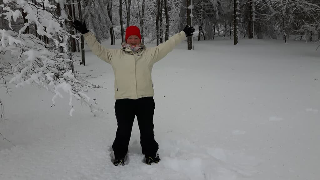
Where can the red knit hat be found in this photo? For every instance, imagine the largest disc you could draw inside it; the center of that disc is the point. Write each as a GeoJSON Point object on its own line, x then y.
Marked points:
{"type": "Point", "coordinates": [132, 30]}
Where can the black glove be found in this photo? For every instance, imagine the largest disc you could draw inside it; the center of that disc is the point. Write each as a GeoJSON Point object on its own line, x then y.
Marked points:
{"type": "Point", "coordinates": [188, 30]}
{"type": "Point", "coordinates": [81, 27]}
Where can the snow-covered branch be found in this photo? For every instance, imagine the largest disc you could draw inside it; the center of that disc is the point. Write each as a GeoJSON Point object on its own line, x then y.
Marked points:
{"type": "Point", "coordinates": [36, 62]}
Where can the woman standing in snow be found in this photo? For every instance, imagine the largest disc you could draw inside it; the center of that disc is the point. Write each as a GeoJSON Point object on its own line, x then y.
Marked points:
{"type": "Point", "coordinates": [132, 66]}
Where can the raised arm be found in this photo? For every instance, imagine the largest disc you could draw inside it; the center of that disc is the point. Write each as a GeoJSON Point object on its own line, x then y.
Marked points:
{"type": "Point", "coordinates": [102, 52]}
{"type": "Point", "coordinates": [163, 49]}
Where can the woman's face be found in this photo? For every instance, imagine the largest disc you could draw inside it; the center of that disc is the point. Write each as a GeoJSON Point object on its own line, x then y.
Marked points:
{"type": "Point", "coordinates": [133, 40]}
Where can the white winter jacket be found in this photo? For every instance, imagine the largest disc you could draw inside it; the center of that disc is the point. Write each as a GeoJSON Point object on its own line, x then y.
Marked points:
{"type": "Point", "coordinates": [132, 71]}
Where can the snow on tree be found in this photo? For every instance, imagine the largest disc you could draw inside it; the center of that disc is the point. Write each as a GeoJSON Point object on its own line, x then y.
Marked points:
{"type": "Point", "coordinates": [32, 61]}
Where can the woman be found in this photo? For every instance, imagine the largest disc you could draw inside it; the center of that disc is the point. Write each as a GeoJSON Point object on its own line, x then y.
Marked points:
{"type": "Point", "coordinates": [132, 66]}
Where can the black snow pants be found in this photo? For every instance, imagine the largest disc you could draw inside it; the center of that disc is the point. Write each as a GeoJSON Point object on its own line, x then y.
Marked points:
{"type": "Point", "coordinates": [126, 110]}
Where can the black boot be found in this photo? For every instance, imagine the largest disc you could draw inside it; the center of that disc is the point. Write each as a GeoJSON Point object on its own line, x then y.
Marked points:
{"type": "Point", "coordinates": [151, 159]}
{"type": "Point", "coordinates": [118, 161]}
{"type": "Point", "coordinates": [121, 161]}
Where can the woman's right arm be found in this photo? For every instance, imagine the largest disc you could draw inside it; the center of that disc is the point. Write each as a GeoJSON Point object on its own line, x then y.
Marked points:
{"type": "Point", "coordinates": [102, 52]}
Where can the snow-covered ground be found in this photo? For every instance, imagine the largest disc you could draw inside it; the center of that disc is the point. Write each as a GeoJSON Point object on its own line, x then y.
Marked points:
{"type": "Point", "coordinates": [223, 112]}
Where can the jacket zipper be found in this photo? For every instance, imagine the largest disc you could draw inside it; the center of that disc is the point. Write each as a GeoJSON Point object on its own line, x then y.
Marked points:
{"type": "Point", "coordinates": [135, 73]}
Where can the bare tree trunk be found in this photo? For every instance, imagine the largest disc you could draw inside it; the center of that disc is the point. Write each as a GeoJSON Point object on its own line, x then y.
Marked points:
{"type": "Point", "coordinates": [128, 6]}
{"type": "Point", "coordinates": [73, 19]}
{"type": "Point", "coordinates": [182, 14]}
{"type": "Point", "coordinates": [72, 41]}
{"type": "Point", "coordinates": [142, 20]}
{"type": "Point", "coordinates": [83, 57]}
{"type": "Point", "coordinates": [225, 28]}
{"type": "Point", "coordinates": [200, 27]}
{"type": "Point", "coordinates": [161, 22]}
{"type": "Point", "coordinates": [1, 106]}
{"type": "Point", "coordinates": [235, 22]}
{"type": "Point", "coordinates": [157, 21]}
{"type": "Point", "coordinates": [230, 30]}
{"type": "Point", "coordinates": [310, 38]}
{"type": "Point", "coordinates": [202, 12]}
{"type": "Point", "coordinates": [2, 17]}
{"type": "Point", "coordinates": [283, 30]}
{"type": "Point", "coordinates": [24, 15]}
{"type": "Point", "coordinates": [318, 30]}
{"type": "Point", "coordinates": [112, 36]}
{"type": "Point", "coordinates": [167, 20]}
{"type": "Point", "coordinates": [189, 23]}
{"type": "Point", "coordinates": [250, 24]}
{"type": "Point", "coordinates": [218, 30]}
{"type": "Point", "coordinates": [35, 26]}
{"type": "Point", "coordinates": [214, 32]}
{"type": "Point", "coordinates": [45, 38]}
{"type": "Point", "coordinates": [121, 20]}
{"type": "Point", "coordinates": [258, 31]}
{"type": "Point", "coordinates": [58, 12]}
{"type": "Point", "coordinates": [201, 32]}
{"type": "Point", "coordinates": [73, 9]}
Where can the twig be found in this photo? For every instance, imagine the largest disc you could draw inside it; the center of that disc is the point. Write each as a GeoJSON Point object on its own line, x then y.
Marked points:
{"type": "Point", "coordinates": [2, 117]}
{"type": "Point", "coordinates": [4, 138]}
{"type": "Point", "coordinates": [1, 110]}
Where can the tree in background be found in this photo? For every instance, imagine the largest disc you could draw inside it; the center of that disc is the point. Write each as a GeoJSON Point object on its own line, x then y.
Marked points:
{"type": "Point", "coordinates": [121, 21]}
{"type": "Point", "coordinates": [142, 19]}
{"type": "Point", "coordinates": [112, 35]}
{"type": "Point", "coordinates": [158, 21]}
{"type": "Point", "coordinates": [166, 11]}
{"type": "Point", "coordinates": [236, 21]}
{"type": "Point", "coordinates": [96, 17]}
{"type": "Point", "coordinates": [189, 22]}
{"type": "Point", "coordinates": [128, 8]}
{"type": "Point", "coordinates": [248, 18]}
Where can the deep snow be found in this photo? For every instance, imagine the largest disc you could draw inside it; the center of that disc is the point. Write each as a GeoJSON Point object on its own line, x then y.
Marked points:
{"type": "Point", "coordinates": [223, 112]}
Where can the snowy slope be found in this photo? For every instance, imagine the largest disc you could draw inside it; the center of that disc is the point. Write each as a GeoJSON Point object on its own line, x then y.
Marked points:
{"type": "Point", "coordinates": [223, 112]}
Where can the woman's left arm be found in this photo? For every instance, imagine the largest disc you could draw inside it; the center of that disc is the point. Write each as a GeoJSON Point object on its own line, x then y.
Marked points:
{"type": "Point", "coordinates": [163, 49]}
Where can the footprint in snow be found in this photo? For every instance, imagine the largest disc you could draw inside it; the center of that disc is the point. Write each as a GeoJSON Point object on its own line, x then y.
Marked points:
{"type": "Point", "coordinates": [312, 110]}
{"type": "Point", "coordinates": [274, 118]}
{"type": "Point", "coordinates": [202, 163]}
{"type": "Point", "coordinates": [238, 132]}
